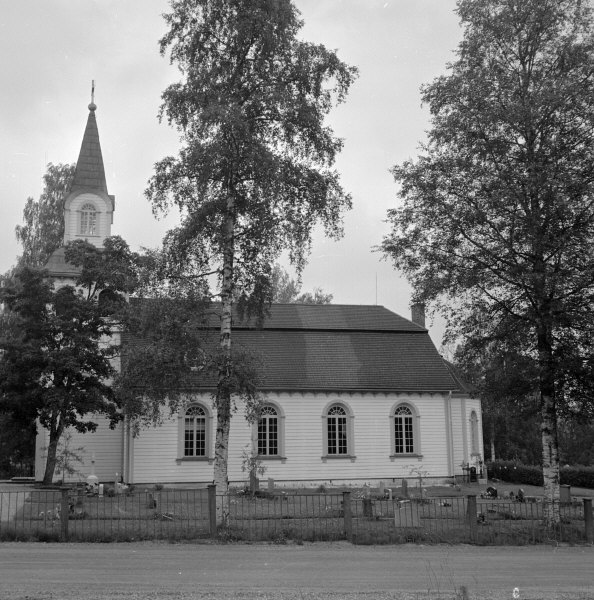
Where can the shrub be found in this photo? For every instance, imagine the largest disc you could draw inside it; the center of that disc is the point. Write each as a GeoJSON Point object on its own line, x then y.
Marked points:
{"type": "Point", "coordinates": [578, 476]}
{"type": "Point", "coordinates": [513, 472]}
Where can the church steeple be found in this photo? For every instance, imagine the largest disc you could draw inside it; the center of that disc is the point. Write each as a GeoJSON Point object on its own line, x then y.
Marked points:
{"type": "Point", "coordinates": [90, 172]}
{"type": "Point", "coordinates": [88, 209]}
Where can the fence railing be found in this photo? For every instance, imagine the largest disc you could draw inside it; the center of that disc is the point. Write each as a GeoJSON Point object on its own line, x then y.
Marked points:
{"type": "Point", "coordinates": [70, 514]}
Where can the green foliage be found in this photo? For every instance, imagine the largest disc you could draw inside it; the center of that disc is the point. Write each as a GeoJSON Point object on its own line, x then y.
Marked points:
{"type": "Point", "coordinates": [255, 172]}
{"type": "Point", "coordinates": [506, 382]}
{"type": "Point", "coordinates": [17, 447]}
{"type": "Point", "coordinates": [55, 363]}
{"type": "Point", "coordinates": [578, 476]}
{"type": "Point", "coordinates": [286, 290]}
{"type": "Point", "coordinates": [576, 443]}
{"type": "Point", "coordinates": [496, 224]}
{"type": "Point", "coordinates": [68, 457]}
{"type": "Point", "coordinates": [251, 110]}
{"type": "Point", "coordinates": [172, 347]}
{"type": "Point", "coordinates": [43, 230]}
{"type": "Point", "coordinates": [513, 472]}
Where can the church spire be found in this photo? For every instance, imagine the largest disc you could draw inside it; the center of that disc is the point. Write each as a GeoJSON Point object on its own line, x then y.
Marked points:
{"type": "Point", "coordinates": [90, 172]}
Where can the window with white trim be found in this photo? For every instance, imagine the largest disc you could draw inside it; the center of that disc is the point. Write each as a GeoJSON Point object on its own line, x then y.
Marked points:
{"type": "Point", "coordinates": [268, 432]}
{"type": "Point", "coordinates": [88, 220]}
{"type": "Point", "coordinates": [404, 441]}
{"type": "Point", "coordinates": [337, 430]}
{"type": "Point", "coordinates": [195, 431]}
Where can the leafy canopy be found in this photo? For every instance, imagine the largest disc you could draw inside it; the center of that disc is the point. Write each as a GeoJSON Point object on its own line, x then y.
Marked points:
{"type": "Point", "coordinates": [55, 364]}
{"type": "Point", "coordinates": [43, 230]}
{"type": "Point", "coordinates": [496, 222]}
{"type": "Point", "coordinates": [251, 111]}
{"type": "Point", "coordinates": [497, 218]}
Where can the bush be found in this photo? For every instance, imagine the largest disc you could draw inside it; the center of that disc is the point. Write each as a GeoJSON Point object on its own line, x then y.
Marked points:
{"type": "Point", "coordinates": [578, 476]}
{"type": "Point", "coordinates": [513, 472]}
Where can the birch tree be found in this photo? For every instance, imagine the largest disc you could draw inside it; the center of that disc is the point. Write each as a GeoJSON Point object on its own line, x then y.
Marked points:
{"type": "Point", "coordinates": [255, 172]}
{"type": "Point", "coordinates": [497, 219]}
{"type": "Point", "coordinates": [43, 228]}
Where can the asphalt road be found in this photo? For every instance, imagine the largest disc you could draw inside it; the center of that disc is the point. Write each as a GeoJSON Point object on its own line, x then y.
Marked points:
{"type": "Point", "coordinates": [160, 570]}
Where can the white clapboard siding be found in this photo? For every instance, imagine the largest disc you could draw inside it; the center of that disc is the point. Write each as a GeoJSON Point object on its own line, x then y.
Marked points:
{"type": "Point", "coordinates": [105, 444]}
{"type": "Point", "coordinates": [72, 218]}
{"type": "Point", "coordinates": [156, 449]}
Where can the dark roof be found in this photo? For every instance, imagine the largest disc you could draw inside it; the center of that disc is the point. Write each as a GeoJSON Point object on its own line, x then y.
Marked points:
{"type": "Point", "coordinates": [57, 265]}
{"type": "Point", "coordinates": [90, 172]}
{"type": "Point", "coordinates": [338, 348]}
{"type": "Point", "coordinates": [328, 317]}
{"type": "Point", "coordinates": [463, 386]}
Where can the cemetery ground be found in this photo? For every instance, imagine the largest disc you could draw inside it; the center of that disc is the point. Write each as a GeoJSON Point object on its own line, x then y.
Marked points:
{"type": "Point", "coordinates": [311, 571]}
{"type": "Point", "coordinates": [443, 514]}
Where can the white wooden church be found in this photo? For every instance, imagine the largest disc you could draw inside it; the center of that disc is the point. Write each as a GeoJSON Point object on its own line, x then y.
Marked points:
{"type": "Point", "coordinates": [354, 394]}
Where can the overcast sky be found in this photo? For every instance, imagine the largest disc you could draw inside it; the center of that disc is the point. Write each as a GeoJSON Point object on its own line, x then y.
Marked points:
{"type": "Point", "coordinates": [51, 50]}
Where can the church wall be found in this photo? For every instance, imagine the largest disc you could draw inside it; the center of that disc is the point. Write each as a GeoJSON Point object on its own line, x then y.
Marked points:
{"type": "Point", "coordinates": [156, 450]}
{"type": "Point", "coordinates": [461, 422]}
{"type": "Point", "coordinates": [105, 444]}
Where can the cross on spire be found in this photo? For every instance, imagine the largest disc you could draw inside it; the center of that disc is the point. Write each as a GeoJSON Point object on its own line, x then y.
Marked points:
{"type": "Point", "coordinates": [92, 106]}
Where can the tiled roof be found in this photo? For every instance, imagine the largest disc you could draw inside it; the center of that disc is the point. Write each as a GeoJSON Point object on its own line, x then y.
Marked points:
{"type": "Point", "coordinates": [332, 317]}
{"type": "Point", "coordinates": [338, 348]}
{"type": "Point", "coordinates": [57, 265]}
{"type": "Point", "coordinates": [463, 386]}
{"type": "Point", "coordinates": [90, 172]}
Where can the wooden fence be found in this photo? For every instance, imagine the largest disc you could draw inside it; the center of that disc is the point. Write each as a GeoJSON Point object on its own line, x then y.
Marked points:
{"type": "Point", "coordinates": [71, 514]}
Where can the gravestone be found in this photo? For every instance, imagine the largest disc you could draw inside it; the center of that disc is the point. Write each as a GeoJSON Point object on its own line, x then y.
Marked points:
{"type": "Point", "coordinates": [404, 488]}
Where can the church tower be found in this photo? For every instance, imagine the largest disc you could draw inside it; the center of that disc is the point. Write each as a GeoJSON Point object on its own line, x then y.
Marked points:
{"type": "Point", "coordinates": [88, 208]}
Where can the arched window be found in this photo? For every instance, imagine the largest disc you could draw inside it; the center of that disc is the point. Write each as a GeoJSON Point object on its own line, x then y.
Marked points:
{"type": "Point", "coordinates": [337, 431]}
{"type": "Point", "coordinates": [403, 431]}
{"type": "Point", "coordinates": [88, 220]}
{"type": "Point", "coordinates": [338, 423]}
{"type": "Point", "coordinates": [268, 432]}
{"type": "Point", "coordinates": [474, 433]}
{"type": "Point", "coordinates": [195, 431]}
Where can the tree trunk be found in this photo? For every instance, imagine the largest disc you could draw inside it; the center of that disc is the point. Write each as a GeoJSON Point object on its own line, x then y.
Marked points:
{"type": "Point", "coordinates": [550, 441]}
{"type": "Point", "coordinates": [223, 398]}
{"type": "Point", "coordinates": [550, 460]}
{"type": "Point", "coordinates": [50, 463]}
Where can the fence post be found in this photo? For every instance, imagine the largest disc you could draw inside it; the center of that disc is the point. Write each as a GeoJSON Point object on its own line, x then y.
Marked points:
{"type": "Point", "coordinates": [588, 520]}
{"type": "Point", "coordinates": [64, 514]}
{"type": "Point", "coordinates": [212, 510]}
{"type": "Point", "coordinates": [471, 515]}
{"type": "Point", "coordinates": [348, 515]}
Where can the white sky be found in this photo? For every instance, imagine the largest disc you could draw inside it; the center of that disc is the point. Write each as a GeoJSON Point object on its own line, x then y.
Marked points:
{"type": "Point", "coordinates": [51, 50]}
